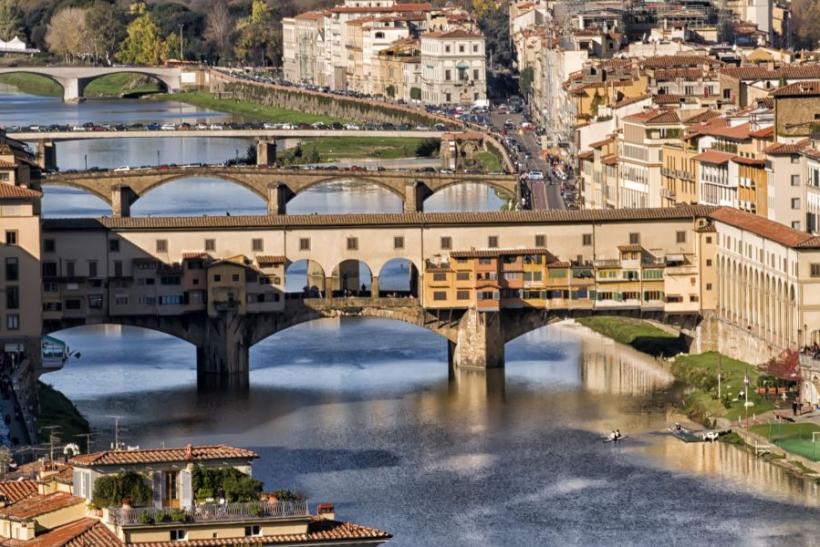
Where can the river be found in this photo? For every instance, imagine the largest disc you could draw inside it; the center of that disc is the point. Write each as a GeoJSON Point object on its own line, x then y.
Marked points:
{"type": "Point", "coordinates": [364, 413]}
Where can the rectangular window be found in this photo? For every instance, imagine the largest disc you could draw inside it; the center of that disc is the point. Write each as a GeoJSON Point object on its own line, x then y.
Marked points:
{"type": "Point", "coordinates": [446, 243]}
{"type": "Point", "coordinates": [634, 238]}
{"type": "Point", "coordinates": [119, 300]}
{"type": "Point", "coordinates": [179, 535]}
{"type": "Point", "coordinates": [253, 530]}
{"type": "Point", "coordinates": [462, 295]}
{"type": "Point", "coordinates": [586, 240]}
{"type": "Point", "coordinates": [12, 269]}
{"type": "Point", "coordinates": [540, 240]}
{"type": "Point", "coordinates": [217, 278]}
{"type": "Point", "coordinates": [12, 298]}
{"type": "Point", "coordinates": [708, 261]}
{"type": "Point", "coordinates": [462, 276]}
{"type": "Point", "coordinates": [49, 246]}
{"type": "Point", "coordinates": [162, 245]}
{"type": "Point", "coordinates": [475, 74]}
{"type": "Point", "coordinates": [76, 304]}
{"type": "Point", "coordinates": [92, 268]}
{"type": "Point", "coordinates": [118, 267]}
{"type": "Point", "coordinates": [814, 270]}
{"type": "Point", "coordinates": [69, 268]}
{"type": "Point", "coordinates": [447, 75]}
{"type": "Point", "coordinates": [13, 321]}
{"type": "Point", "coordinates": [11, 237]}
{"type": "Point", "coordinates": [795, 180]}
{"type": "Point", "coordinates": [210, 244]}
{"type": "Point", "coordinates": [353, 244]}
{"type": "Point", "coordinates": [439, 276]}
{"type": "Point", "coordinates": [795, 203]}
{"type": "Point", "coordinates": [440, 295]}
{"type": "Point", "coordinates": [304, 244]}
{"type": "Point", "coordinates": [114, 245]}
{"type": "Point", "coordinates": [708, 286]}
{"type": "Point", "coordinates": [492, 242]}
{"type": "Point", "coordinates": [398, 242]}
{"type": "Point", "coordinates": [257, 245]}
{"type": "Point", "coordinates": [680, 236]}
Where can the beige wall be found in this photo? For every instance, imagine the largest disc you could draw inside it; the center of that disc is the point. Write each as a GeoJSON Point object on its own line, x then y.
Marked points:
{"type": "Point", "coordinates": [20, 218]}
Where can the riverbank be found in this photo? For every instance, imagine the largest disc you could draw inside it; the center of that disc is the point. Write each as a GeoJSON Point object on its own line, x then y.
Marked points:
{"type": "Point", "coordinates": [57, 410]}
{"type": "Point", "coordinates": [112, 86]}
{"type": "Point", "coordinates": [254, 111]}
{"type": "Point", "coordinates": [326, 150]}
{"type": "Point", "coordinates": [636, 333]}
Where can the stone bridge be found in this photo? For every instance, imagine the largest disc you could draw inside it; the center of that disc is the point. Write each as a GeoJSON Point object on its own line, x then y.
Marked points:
{"type": "Point", "coordinates": [475, 340]}
{"type": "Point", "coordinates": [74, 79]}
{"type": "Point", "coordinates": [276, 186]}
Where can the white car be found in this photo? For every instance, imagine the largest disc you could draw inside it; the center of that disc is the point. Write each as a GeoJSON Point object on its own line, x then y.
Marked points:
{"type": "Point", "coordinates": [122, 169]}
{"type": "Point", "coordinates": [352, 127]}
{"type": "Point", "coordinates": [535, 175]}
{"type": "Point", "coordinates": [168, 127]}
{"type": "Point", "coordinates": [267, 125]}
{"type": "Point", "coordinates": [216, 127]}
{"type": "Point", "coordinates": [78, 128]}
{"type": "Point", "coordinates": [201, 126]}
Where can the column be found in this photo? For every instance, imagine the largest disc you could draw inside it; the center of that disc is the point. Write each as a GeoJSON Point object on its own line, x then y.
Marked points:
{"type": "Point", "coordinates": [122, 198]}
{"type": "Point", "coordinates": [222, 357]}
{"type": "Point", "coordinates": [265, 152]}
{"type": "Point", "coordinates": [279, 195]}
{"type": "Point", "coordinates": [46, 155]}
{"type": "Point", "coordinates": [480, 341]}
{"type": "Point", "coordinates": [374, 286]}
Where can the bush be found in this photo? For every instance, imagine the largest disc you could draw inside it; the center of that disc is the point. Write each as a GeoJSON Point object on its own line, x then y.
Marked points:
{"type": "Point", "coordinates": [428, 147]}
{"type": "Point", "coordinates": [178, 515]}
{"type": "Point", "coordinates": [236, 485]}
{"type": "Point", "coordinates": [145, 518]}
{"type": "Point", "coordinates": [110, 490]}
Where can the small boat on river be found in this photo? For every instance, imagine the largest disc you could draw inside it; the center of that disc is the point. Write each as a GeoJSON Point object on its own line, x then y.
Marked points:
{"type": "Point", "coordinates": [689, 436]}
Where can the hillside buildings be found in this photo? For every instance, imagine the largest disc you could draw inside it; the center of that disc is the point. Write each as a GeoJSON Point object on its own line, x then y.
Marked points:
{"type": "Point", "coordinates": [399, 50]}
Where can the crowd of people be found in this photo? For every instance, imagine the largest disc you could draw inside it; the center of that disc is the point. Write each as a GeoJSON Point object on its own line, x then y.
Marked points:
{"type": "Point", "coordinates": [812, 351]}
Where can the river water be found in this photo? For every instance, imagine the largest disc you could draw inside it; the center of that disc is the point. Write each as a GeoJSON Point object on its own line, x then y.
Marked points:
{"type": "Point", "coordinates": [364, 413]}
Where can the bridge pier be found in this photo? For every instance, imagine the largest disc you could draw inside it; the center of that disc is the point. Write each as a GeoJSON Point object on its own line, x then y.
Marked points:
{"type": "Point", "coordinates": [222, 358]}
{"type": "Point", "coordinates": [47, 155]}
{"type": "Point", "coordinates": [265, 152]}
{"type": "Point", "coordinates": [480, 341]}
{"type": "Point", "coordinates": [122, 198]}
{"type": "Point", "coordinates": [278, 197]}
{"type": "Point", "coordinates": [72, 90]}
{"type": "Point", "coordinates": [414, 195]}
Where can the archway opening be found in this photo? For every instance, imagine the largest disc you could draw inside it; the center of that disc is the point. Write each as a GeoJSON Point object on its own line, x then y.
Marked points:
{"type": "Point", "coordinates": [124, 85]}
{"type": "Point", "coordinates": [345, 196]}
{"type": "Point", "coordinates": [466, 197]}
{"type": "Point", "coordinates": [32, 84]}
{"type": "Point", "coordinates": [199, 196]}
{"type": "Point", "coordinates": [304, 279]}
{"type": "Point", "coordinates": [67, 202]}
{"type": "Point", "coordinates": [351, 278]}
{"type": "Point", "coordinates": [398, 277]}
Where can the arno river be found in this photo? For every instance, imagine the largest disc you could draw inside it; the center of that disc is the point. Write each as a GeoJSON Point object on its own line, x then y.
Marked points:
{"type": "Point", "coordinates": [364, 414]}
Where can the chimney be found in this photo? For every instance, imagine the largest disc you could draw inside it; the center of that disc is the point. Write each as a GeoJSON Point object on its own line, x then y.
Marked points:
{"type": "Point", "coordinates": [326, 511]}
{"type": "Point", "coordinates": [189, 452]}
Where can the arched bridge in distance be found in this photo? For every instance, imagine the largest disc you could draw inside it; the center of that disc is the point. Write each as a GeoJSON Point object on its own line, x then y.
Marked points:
{"type": "Point", "coordinates": [74, 79]}
{"type": "Point", "coordinates": [274, 185]}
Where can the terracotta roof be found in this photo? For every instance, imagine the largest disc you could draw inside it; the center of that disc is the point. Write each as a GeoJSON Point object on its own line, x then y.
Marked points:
{"type": "Point", "coordinates": [163, 455]}
{"type": "Point", "coordinates": [458, 33]}
{"type": "Point", "coordinates": [85, 532]}
{"type": "Point", "coordinates": [737, 132]}
{"type": "Point", "coordinates": [630, 100]}
{"type": "Point", "coordinates": [752, 162]}
{"type": "Point", "coordinates": [310, 15]}
{"type": "Point", "coordinates": [702, 117]}
{"type": "Point", "coordinates": [799, 89]}
{"type": "Point", "coordinates": [14, 491]}
{"type": "Point", "coordinates": [270, 259]}
{"type": "Point", "coordinates": [395, 8]}
{"type": "Point", "coordinates": [610, 159]}
{"type": "Point", "coordinates": [586, 155]}
{"type": "Point", "coordinates": [764, 227]}
{"type": "Point", "coordinates": [319, 531]}
{"type": "Point", "coordinates": [7, 191]}
{"type": "Point", "coordinates": [631, 248]}
{"type": "Point", "coordinates": [655, 116]}
{"type": "Point", "coordinates": [491, 253]}
{"type": "Point", "coordinates": [195, 254]}
{"type": "Point", "coordinates": [36, 505]}
{"type": "Point", "coordinates": [667, 99]}
{"type": "Point", "coordinates": [559, 264]}
{"type": "Point", "coordinates": [807, 71]}
{"type": "Point", "coordinates": [667, 61]}
{"type": "Point", "coordinates": [787, 149]}
{"type": "Point", "coordinates": [762, 133]}
{"type": "Point", "coordinates": [713, 156]}
{"type": "Point", "coordinates": [375, 219]}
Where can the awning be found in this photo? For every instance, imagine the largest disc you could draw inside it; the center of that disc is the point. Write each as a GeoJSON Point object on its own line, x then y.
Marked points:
{"type": "Point", "coordinates": [675, 258]}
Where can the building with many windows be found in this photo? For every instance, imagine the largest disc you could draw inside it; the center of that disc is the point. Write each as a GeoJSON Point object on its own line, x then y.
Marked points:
{"type": "Point", "coordinates": [453, 68]}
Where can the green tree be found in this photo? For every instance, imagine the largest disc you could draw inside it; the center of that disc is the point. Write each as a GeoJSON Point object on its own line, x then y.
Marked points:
{"type": "Point", "coordinates": [525, 81]}
{"type": "Point", "coordinates": [143, 45]}
{"type": "Point", "coordinates": [110, 490]}
{"type": "Point", "coordinates": [236, 485]}
{"type": "Point", "coordinates": [415, 93]}
{"type": "Point", "coordinates": [68, 34]}
{"type": "Point", "coordinates": [259, 40]}
{"type": "Point", "coordinates": [109, 29]}
{"type": "Point", "coordinates": [11, 20]}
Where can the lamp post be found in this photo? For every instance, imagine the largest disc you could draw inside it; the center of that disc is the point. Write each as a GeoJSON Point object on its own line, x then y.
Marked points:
{"type": "Point", "coordinates": [157, 158]}
{"type": "Point", "coordinates": [85, 157]}
{"type": "Point", "coordinates": [746, 393]}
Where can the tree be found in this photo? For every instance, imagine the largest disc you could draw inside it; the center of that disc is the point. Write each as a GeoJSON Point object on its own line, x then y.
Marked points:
{"type": "Point", "coordinates": [525, 81]}
{"type": "Point", "coordinates": [219, 28]}
{"type": "Point", "coordinates": [109, 29]}
{"type": "Point", "coordinates": [144, 45]}
{"type": "Point", "coordinates": [494, 23]}
{"type": "Point", "coordinates": [785, 366]}
{"type": "Point", "coordinates": [259, 40]}
{"type": "Point", "coordinates": [110, 490]}
{"type": "Point", "coordinates": [806, 23]}
{"type": "Point", "coordinates": [67, 34]}
{"type": "Point", "coordinates": [11, 20]}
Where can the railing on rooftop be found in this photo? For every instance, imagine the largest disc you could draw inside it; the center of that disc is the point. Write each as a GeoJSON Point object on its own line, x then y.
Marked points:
{"type": "Point", "coordinates": [212, 512]}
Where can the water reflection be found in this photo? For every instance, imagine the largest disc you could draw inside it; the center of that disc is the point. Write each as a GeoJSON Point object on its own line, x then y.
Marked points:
{"type": "Point", "coordinates": [464, 197]}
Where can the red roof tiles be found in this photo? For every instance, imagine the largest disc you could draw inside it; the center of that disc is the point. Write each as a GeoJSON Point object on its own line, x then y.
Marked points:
{"type": "Point", "coordinates": [14, 491]}
{"type": "Point", "coordinates": [163, 455]}
{"type": "Point", "coordinates": [807, 71]}
{"type": "Point", "coordinates": [492, 253]}
{"type": "Point", "coordinates": [764, 227]}
{"type": "Point", "coordinates": [799, 89]}
{"type": "Point", "coordinates": [36, 505]}
{"type": "Point", "coordinates": [715, 157]}
{"type": "Point", "coordinates": [7, 191]}
{"type": "Point", "coordinates": [787, 149]}
{"type": "Point", "coordinates": [85, 532]}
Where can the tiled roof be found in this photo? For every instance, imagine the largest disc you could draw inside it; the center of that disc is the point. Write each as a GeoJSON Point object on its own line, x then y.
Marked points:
{"type": "Point", "coordinates": [85, 532]}
{"type": "Point", "coordinates": [713, 156]}
{"type": "Point", "coordinates": [655, 116]}
{"type": "Point", "coordinates": [630, 100]}
{"type": "Point", "coordinates": [752, 162]}
{"type": "Point", "coordinates": [7, 191]}
{"type": "Point", "coordinates": [610, 159]}
{"type": "Point", "coordinates": [736, 132]}
{"type": "Point", "coordinates": [704, 116]}
{"type": "Point", "coordinates": [319, 531]}
{"type": "Point", "coordinates": [395, 8]}
{"type": "Point", "coordinates": [270, 259]}
{"type": "Point", "coordinates": [807, 89]}
{"type": "Point", "coordinates": [764, 227]}
{"type": "Point", "coordinates": [195, 254]}
{"type": "Point", "coordinates": [376, 219]}
{"type": "Point", "coordinates": [491, 253]}
{"type": "Point", "coordinates": [787, 149]}
{"type": "Point", "coordinates": [807, 71]}
{"type": "Point", "coordinates": [586, 155]}
{"type": "Point", "coordinates": [631, 248]}
{"type": "Point", "coordinates": [601, 144]}
{"type": "Point", "coordinates": [36, 505]}
{"type": "Point", "coordinates": [309, 15]}
{"type": "Point", "coordinates": [458, 33]}
{"type": "Point", "coordinates": [14, 491]}
{"type": "Point", "coordinates": [668, 61]}
{"type": "Point", "coordinates": [163, 455]}
{"type": "Point", "coordinates": [762, 133]}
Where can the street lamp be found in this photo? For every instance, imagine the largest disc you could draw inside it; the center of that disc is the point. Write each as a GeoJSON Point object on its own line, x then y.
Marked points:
{"type": "Point", "coordinates": [85, 156]}
{"type": "Point", "coordinates": [157, 158]}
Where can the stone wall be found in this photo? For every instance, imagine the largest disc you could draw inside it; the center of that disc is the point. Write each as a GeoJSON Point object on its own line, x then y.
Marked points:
{"type": "Point", "coordinates": [714, 334]}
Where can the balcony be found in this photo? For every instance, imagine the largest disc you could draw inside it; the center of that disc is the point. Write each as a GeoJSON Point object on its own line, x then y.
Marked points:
{"type": "Point", "coordinates": [607, 263]}
{"type": "Point", "coordinates": [230, 512]}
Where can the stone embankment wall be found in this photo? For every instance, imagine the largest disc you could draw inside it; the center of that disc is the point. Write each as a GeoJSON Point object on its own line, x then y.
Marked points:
{"type": "Point", "coordinates": [713, 334]}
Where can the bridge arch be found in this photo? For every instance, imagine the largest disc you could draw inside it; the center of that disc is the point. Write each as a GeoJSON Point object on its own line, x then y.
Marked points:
{"type": "Point", "coordinates": [171, 326]}
{"type": "Point", "coordinates": [35, 72]}
{"type": "Point", "coordinates": [342, 177]}
{"type": "Point", "coordinates": [77, 185]}
{"type": "Point", "coordinates": [165, 83]}
{"type": "Point", "coordinates": [145, 188]}
{"type": "Point", "coordinates": [351, 277]}
{"type": "Point", "coordinates": [398, 276]}
{"type": "Point", "coordinates": [429, 201]}
{"type": "Point", "coordinates": [311, 278]}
